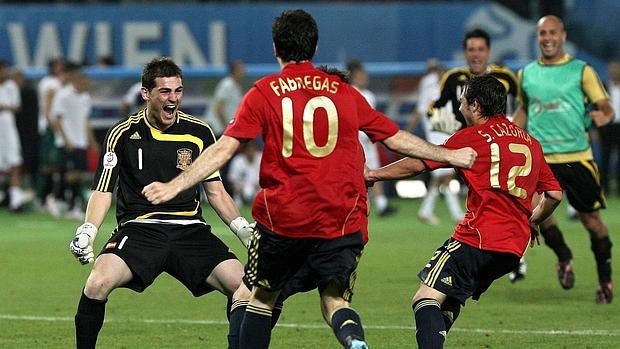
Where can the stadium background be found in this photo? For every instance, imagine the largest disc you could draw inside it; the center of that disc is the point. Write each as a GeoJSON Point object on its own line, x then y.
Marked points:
{"type": "Point", "coordinates": [41, 281]}
{"type": "Point", "coordinates": [394, 39]}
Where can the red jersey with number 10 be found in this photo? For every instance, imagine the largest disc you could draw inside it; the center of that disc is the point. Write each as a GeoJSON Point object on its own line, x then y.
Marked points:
{"type": "Point", "coordinates": [509, 169]}
{"type": "Point", "coordinates": [311, 172]}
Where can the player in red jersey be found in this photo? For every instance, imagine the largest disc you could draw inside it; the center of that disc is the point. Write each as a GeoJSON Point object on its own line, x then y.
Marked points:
{"type": "Point", "coordinates": [488, 243]}
{"type": "Point", "coordinates": [312, 204]}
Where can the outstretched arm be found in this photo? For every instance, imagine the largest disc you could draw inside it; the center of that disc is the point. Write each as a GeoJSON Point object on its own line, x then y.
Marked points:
{"type": "Point", "coordinates": [212, 159]}
{"type": "Point", "coordinates": [403, 168]}
{"type": "Point", "coordinates": [407, 144]}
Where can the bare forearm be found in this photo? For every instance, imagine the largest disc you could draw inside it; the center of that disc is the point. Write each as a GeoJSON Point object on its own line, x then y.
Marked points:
{"type": "Point", "coordinates": [98, 205]}
{"type": "Point", "coordinates": [221, 201]}
{"type": "Point", "coordinates": [407, 144]}
{"type": "Point", "coordinates": [403, 168]}
{"type": "Point", "coordinates": [212, 159]}
{"type": "Point", "coordinates": [548, 203]}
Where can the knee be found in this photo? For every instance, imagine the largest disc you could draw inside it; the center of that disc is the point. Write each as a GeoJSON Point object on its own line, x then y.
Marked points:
{"type": "Point", "coordinates": [99, 286]}
{"type": "Point", "coordinates": [263, 297]}
{"type": "Point", "coordinates": [242, 293]}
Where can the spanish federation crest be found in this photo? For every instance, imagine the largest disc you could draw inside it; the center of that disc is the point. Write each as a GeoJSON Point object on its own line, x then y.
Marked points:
{"type": "Point", "coordinates": [184, 158]}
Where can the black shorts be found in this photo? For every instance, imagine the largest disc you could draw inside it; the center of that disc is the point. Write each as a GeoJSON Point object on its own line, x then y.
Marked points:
{"type": "Point", "coordinates": [189, 253]}
{"type": "Point", "coordinates": [581, 184]}
{"type": "Point", "coordinates": [299, 265]}
{"type": "Point", "coordinates": [461, 271]}
{"type": "Point", "coordinates": [75, 160]}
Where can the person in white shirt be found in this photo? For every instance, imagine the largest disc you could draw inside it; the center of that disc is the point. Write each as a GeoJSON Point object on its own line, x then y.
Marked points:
{"type": "Point", "coordinates": [132, 100]}
{"type": "Point", "coordinates": [226, 98]}
{"type": "Point", "coordinates": [428, 90]}
{"type": "Point", "coordinates": [71, 111]}
{"type": "Point", "coordinates": [358, 78]}
{"type": "Point", "coordinates": [48, 180]}
{"type": "Point", "coordinates": [10, 148]}
{"type": "Point", "coordinates": [243, 173]}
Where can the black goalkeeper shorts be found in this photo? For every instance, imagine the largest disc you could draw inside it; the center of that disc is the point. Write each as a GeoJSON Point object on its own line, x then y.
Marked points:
{"type": "Point", "coordinates": [189, 253]}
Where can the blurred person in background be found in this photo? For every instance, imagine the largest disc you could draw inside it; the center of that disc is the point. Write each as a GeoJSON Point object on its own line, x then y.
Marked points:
{"type": "Point", "coordinates": [226, 98]}
{"type": "Point", "coordinates": [10, 147]}
{"type": "Point", "coordinates": [49, 178]}
{"type": "Point", "coordinates": [554, 89]}
{"type": "Point", "coordinates": [243, 173]}
{"type": "Point", "coordinates": [358, 78]}
{"type": "Point", "coordinates": [27, 121]}
{"type": "Point", "coordinates": [132, 100]}
{"type": "Point", "coordinates": [224, 103]}
{"type": "Point", "coordinates": [71, 111]}
{"type": "Point", "coordinates": [429, 91]}
{"type": "Point", "coordinates": [610, 135]}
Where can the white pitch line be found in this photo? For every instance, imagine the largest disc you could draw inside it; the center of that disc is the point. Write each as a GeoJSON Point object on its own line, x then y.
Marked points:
{"type": "Point", "coordinates": [551, 332]}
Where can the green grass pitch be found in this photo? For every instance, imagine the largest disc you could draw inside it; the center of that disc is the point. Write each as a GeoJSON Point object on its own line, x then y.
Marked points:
{"type": "Point", "coordinates": [41, 283]}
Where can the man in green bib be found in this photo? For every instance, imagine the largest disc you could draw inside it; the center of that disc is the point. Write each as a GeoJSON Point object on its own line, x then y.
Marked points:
{"type": "Point", "coordinates": [561, 96]}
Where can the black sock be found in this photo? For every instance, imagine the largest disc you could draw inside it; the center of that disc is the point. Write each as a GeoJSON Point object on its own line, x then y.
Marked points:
{"type": "Point", "coordinates": [347, 325]}
{"type": "Point", "coordinates": [275, 314]}
{"type": "Point", "coordinates": [235, 318]}
{"type": "Point", "coordinates": [256, 328]}
{"type": "Point", "coordinates": [44, 186]}
{"type": "Point", "coordinates": [555, 240]}
{"type": "Point", "coordinates": [430, 327]}
{"type": "Point", "coordinates": [75, 190]}
{"type": "Point", "coordinates": [88, 322]}
{"type": "Point", "coordinates": [601, 247]}
{"type": "Point", "coordinates": [450, 310]}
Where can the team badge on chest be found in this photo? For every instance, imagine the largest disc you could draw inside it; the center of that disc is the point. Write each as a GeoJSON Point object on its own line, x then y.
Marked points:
{"type": "Point", "coordinates": [184, 158]}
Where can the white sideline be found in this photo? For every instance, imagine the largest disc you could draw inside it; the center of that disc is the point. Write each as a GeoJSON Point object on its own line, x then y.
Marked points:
{"type": "Point", "coordinates": [584, 332]}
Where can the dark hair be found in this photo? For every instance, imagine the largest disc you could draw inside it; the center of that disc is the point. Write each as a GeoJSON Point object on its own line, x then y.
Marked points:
{"type": "Point", "coordinates": [354, 65]}
{"type": "Point", "coordinates": [233, 65]}
{"type": "Point", "coordinates": [490, 94]}
{"type": "Point", "coordinates": [334, 71]}
{"type": "Point", "coordinates": [161, 67]}
{"type": "Point", "coordinates": [477, 33]}
{"type": "Point", "coordinates": [106, 61]}
{"type": "Point", "coordinates": [295, 35]}
{"type": "Point", "coordinates": [52, 63]}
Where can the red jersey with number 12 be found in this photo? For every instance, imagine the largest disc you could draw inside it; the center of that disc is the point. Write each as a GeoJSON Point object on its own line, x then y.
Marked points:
{"type": "Point", "coordinates": [509, 169]}
{"type": "Point", "coordinates": [311, 173]}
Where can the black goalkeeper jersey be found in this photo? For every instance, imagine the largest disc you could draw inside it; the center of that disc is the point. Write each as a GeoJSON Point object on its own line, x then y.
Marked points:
{"type": "Point", "coordinates": [453, 81]}
{"type": "Point", "coordinates": [135, 154]}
